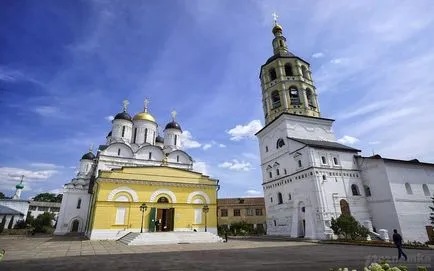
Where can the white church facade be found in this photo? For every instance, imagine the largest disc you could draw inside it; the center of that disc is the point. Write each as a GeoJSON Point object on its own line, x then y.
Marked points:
{"type": "Point", "coordinates": [308, 177]}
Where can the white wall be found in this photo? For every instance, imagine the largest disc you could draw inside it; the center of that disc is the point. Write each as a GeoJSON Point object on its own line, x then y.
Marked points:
{"type": "Point", "coordinates": [69, 212]}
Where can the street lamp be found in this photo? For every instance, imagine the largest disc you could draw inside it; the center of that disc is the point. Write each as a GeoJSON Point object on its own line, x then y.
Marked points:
{"type": "Point", "coordinates": [143, 208]}
{"type": "Point", "coordinates": [205, 209]}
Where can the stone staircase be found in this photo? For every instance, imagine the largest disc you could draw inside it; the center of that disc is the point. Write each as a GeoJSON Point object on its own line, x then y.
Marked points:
{"type": "Point", "coordinates": [163, 238]}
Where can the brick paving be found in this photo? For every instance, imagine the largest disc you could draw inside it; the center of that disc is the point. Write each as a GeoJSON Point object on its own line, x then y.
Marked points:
{"type": "Point", "coordinates": [65, 254]}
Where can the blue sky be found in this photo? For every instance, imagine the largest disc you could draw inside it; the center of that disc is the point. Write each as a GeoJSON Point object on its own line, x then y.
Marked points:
{"type": "Point", "coordinates": [66, 66]}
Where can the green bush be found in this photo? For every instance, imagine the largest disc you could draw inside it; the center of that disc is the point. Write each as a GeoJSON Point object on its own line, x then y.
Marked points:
{"type": "Point", "coordinates": [382, 266]}
{"type": "Point", "coordinates": [349, 227]}
{"type": "Point", "coordinates": [21, 224]}
{"type": "Point", "coordinates": [42, 223]}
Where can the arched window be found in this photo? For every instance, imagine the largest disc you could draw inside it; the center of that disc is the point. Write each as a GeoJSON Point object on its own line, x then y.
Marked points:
{"type": "Point", "coordinates": [123, 131]}
{"type": "Point", "coordinates": [280, 143]}
{"type": "Point", "coordinates": [79, 204]}
{"type": "Point", "coordinates": [272, 73]}
{"type": "Point", "coordinates": [309, 97]}
{"type": "Point", "coordinates": [277, 172]}
{"type": "Point", "coordinates": [304, 72]}
{"type": "Point", "coordinates": [324, 177]}
{"type": "Point", "coordinates": [150, 156]}
{"type": "Point", "coordinates": [367, 191]}
{"type": "Point", "coordinates": [294, 96]}
{"type": "Point", "coordinates": [425, 190]}
{"type": "Point", "coordinates": [288, 70]}
{"type": "Point", "coordinates": [299, 163]}
{"type": "Point", "coordinates": [146, 134]}
{"type": "Point", "coordinates": [266, 148]}
{"type": "Point", "coordinates": [289, 196]}
{"type": "Point", "coordinates": [345, 207]}
{"type": "Point", "coordinates": [271, 174]}
{"type": "Point", "coordinates": [135, 135]}
{"type": "Point", "coordinates": [355, 190]}
{"type": "Point", "coordinates": [163, 200]}
{"type": "Point", "coordinates": [176, 139]}
{"type": "Point", "coordinates": [279, 198]}
{"type": "Point", "coordinates": [275, 99]}
{"type": "Point", "coordinates": [119, 151]}
{"type": "Point", "coordinates": [408, 188]}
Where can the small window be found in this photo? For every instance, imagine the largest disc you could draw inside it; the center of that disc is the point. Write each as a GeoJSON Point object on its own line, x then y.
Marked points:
{"type": "Point", "coordinates": [150, 156]}
{"type": "Point", "coordinates": [367, 191]}
{"type": "Point", "coordinates": [279, 198]}
{"type": "Point", "coordinates": [324, 177]}
{"type": "Point", "coordinates": [310, 98]}
{"type": "Point", "coordinates": [426, 190]}
{"type": "Point", "coordinates": [288, 70]}
{"type": "Point", "coordinates": [289, 196]}
{"type": "Point", "coordinates": [284, 171]}
{"type": "Point", "coordinates": [223, 212]}
{"type": "Point", "coordinates": [123, 131]}
{"type": "Point", "coordinates": [249, 212]}
{"type": "Point", "coordinates": [323, 160]}
{"type": "Point", "coordinates": [277, 172]}
{"type": "Point", "coordinates": [303, 209]}
{"type": "Point", "coordinates": [266, 148]}
{"type": "Point", "coordinates": [176, 139]}
{"type": "Point", "coordinates": [237, 212]}
{"type": "Point", "coordinates": [119, 151]}
{"type": "Point", "coordinates": [258, 212]}
{"type": "Point", "coordinates": [335, 161]}
{"type": "Point", "coordinates": [272, 73]}
{"type": "Point", "coordinates": [355, 190]}
{"type": "Point", "coordinates": [78, 204]}
{"type": "Point", "coordinates": [135, 135]}
{"type": "Point", "coordinates": [146, 135]}
{"type": "Point", "coordinates": [275, 223]}
{"type": "Point", "coordinates": [271, 199]}
{"type": "Point", "coordinates": [177, 158]}
{"type": "Point", "coordinates": [280, 143]}
{"type": "Point", "coordinates": [299, 163]}
{"type": "Point", "coordinates": [270, 174]}
{"type": "Point", "coordinates": [408, 188]}
{"type": "Point", "coordinates": [275, 99]}
{"type": "Point", "coordinates": [32, 208]}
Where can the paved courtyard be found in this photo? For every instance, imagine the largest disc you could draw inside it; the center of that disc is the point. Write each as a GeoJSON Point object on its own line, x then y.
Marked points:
{"type": "Point", "coordinates": [66, 254]}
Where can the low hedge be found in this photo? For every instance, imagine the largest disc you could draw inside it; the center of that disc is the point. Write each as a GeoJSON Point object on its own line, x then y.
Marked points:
{"type": "Point", "coordinates": [376, 243]}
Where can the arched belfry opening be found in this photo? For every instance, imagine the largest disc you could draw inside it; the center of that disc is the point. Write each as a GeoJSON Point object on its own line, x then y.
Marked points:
{"type": "Point", "coordinates": [345, 207]}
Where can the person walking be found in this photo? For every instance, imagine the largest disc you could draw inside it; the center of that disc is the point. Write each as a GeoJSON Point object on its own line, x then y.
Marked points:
{"type": "Point", "coordinates": [397, 239]}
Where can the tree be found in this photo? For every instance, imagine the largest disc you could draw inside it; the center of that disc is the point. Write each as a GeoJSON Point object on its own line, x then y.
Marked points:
{"type": "Point", "coordinates": [2, 196]}
{"type": "Point", "coordinates": [432, 212]}
{"type": "Point", "coordinates": [349, 227]}
{"type": "Point", "coordinates": [48, 197]}
{"type": "Point", "coordinates": [43, 222]}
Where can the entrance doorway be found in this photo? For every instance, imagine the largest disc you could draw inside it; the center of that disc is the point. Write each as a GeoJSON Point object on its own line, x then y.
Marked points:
{"type": "Point", "coordinates": [345, 207]}
{"type": "Point", "coordinates": [165, 218]}
{"type": "Point", "coordinates": [75, 225]}
{"type": "Point", "coordinates": [301, 220]}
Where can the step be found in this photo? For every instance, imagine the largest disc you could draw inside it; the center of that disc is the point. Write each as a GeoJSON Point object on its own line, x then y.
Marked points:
{"type": "Point", "coordinates": [159, 238]}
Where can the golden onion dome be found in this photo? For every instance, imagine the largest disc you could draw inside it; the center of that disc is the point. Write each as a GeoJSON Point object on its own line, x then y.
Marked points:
{"type": "Point", "coordinates": [144, 116]}
{"type": "Point", "coordinates": [277, 28]}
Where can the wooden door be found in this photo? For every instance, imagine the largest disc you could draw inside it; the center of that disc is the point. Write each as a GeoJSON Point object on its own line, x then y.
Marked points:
{"type": "Point", "coordinates": [151, 225]}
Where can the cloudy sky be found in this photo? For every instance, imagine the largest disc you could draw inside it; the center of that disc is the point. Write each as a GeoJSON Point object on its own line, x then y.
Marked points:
{"type": "Point", "coordinates": [66, 66]}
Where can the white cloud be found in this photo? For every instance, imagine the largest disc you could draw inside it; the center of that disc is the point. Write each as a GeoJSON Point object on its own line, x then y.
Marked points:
{"type": "Point", "coordinates": [236, 165]}
{"type": "Point", "coordinates": [245, 131]}
{"type": "Point", "coordinates": [318, 55]}
{"type": "Point", "coordinates": [200, 166]}
{"type": "Point", "coordinates": [47, 111]}
{"type": "Point", "coordinates": [188, 142]}
{"type": "Point", "coordinates": [348, 140]}
{"type": "Point", "coordinates": [339, 61]}
{"type": "Point", "coordinates": [222, 145]}
{"type": "Point", "coordinates": [109, 118]}
{"type": "Point", "coordinates": [11, 176]}
{"type": "Point", "coordinates": [45, 166]}
{"type": "Point", "coordinates": [206, 146]}
{"type": "Point", "coordinates": [253, 193]}
{"type": "Point", "coordinates": [56, 191]}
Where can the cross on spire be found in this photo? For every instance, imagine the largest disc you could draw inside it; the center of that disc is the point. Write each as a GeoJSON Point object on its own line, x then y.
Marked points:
{"type": "Point", "coordinates": [125, 103]}
{"type": "Point", "coordinates": [146, 102]}
{"type": "Point", "coordinates": [173, 115]}
{"type": "Point", "coordinates": [90, 147]}
{"type": "Point", "coordinates": [275, 16]}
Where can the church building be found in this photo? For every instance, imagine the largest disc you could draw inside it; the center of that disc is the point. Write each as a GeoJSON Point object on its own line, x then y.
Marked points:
{"type": "Point", "coordinates": [138, 182]}
{"type": "Point", "coordinates": [309, 178]}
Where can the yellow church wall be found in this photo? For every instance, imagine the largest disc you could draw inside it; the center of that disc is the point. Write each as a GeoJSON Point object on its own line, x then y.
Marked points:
{"type": "Point", "coordinates": [147, 185]}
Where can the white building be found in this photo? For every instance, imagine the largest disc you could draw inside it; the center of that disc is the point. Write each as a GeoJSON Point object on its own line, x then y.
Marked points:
{"type": "Point", "coordinates": [132, 141]}
{"type": "Point", "coordinates": [308, 177]}
{"type": "Point", "coordinates": [15, 209]}
{"type": "Point", "coordinates": [37, 208]}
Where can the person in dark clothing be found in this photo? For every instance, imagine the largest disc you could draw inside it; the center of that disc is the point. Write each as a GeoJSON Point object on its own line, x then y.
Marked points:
{"type": "Point", "coordinates": [397, 239]}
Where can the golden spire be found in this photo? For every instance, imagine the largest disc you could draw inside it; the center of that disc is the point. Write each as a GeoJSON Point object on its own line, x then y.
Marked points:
{"type": "Point", "coordinates": [277, 27]}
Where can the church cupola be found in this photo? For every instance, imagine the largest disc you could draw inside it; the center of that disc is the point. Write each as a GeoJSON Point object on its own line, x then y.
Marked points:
{"type": "Point", "coordinates": [86, 163]}
{"type": "Point", "coordinates": [172, 133]}
{"type": "Point", "coordinates": [286, 82]}
{"type": "Point", "coordinates": [159, 141]}
{"type": "Point", "coordinates": [122, 125]}
{"type": "Point", "coordinates": [19, 188]}
{"type": "Point", "coordinates": [145, 127]}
